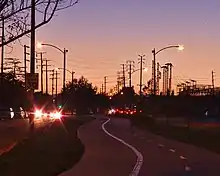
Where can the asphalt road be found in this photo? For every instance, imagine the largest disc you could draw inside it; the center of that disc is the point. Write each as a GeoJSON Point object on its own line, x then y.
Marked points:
{"type": "Point", "coordinates": [13, 131]}
{"type": "Point", "coordinates": [135, 150]}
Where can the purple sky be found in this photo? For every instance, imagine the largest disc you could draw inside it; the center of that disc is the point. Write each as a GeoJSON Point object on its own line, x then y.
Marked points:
{"type": "Point", "coordinates": [100, 35]}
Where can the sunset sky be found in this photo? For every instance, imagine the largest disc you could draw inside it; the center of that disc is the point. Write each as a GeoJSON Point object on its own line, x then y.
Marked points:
{"type": "Point", "coordinates": [102, 34]}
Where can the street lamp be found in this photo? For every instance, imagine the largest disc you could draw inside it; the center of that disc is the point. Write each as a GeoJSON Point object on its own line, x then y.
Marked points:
{"type": "Point", "coordinates": [144, 69]}
{"type": "Point", "coordinates": [64, 51]}
{"type": "Point", "coordinates": [179, 47]}
{"type": "Point", "coordinates": [71, 72]}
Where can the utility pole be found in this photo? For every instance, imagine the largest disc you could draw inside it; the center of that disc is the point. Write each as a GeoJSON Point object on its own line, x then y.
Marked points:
{"type": "Point", "coordinates": [72, 76]}
{"type": "Point", "coordinates": [52, 82]}
{"type": "Point", "coordinates": [41, 71]}
{"type": "Point", "coordinates": [141, 69]}
{"type": "Point", "coordinates": [130, 69]}
{"type": "Point", "coordinates": [102, 88]}
{"type": "Point", "coordinates": [169, 66]}
{"type": "Point", "coordinates": [56, 85]}
{"type": "Point", "coordinates": [3, 38]}
{"type": "Point", "coordinates": [32, 62]}
{"type": "Point", "coordinates": [32, 58]}
{"type": "Point", "coordinates": [123, 73]}
{"type": "Point", "coordinates": [158, 78]}
{"type": "Point", "coordinates": [154, 71]}
{"type": "Point", "coordinates": [213, 83]}
{"type": "Point", "coordinates": [118, 81]}
{"type": "Point", "coordinates": [25, 64]}
{"type": "Point", "coordinates": [46, 67]}
{"type": "Point", "coordinates": [64, 69]}
{"type": "Point", "coordinates": [105, 84]}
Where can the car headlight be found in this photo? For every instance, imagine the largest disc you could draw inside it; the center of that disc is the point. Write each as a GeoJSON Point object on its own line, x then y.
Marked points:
{"type": "Point", "coordinates": [57, 115]}
{"type": "Point", "coordinates": [51, 115]}
{"type": "Point", "coordinates": [38, 113]}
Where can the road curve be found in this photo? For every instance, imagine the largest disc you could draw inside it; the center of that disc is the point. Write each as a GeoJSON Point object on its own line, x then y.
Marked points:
{"type": "Point", "coordinates": [103, 154]}
{"type": "Point", "coordinates": [140, 159]}
{"type": "Point", "coordinates": [112, 156]}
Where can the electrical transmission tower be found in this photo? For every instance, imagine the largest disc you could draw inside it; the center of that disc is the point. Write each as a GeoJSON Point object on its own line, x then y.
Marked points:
{"type": "Point", "coordinates": [213, 83]}
{"type": "Point", "coordinates": [170, 66]}
{"type": "Point", "coordinates": [130, 69]}
{"type": "Point", "coordinates": [141, 62]}
{"type": "Point", "coordinates": [12, 64]}
{"type": "Point", "coordinates": [123, 74]}
{"type": "Point", "coordinates": [105, 84]}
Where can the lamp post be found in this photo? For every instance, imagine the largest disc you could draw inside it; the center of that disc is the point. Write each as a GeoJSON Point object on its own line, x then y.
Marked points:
{"type": "Point", "coordinates": [71, 72]}
{"type": "Point", "coordinates": [64, 51]}
{"type": "Point", "coordinates": [179, 47]}
{"type": "Point", "coordinates": [143, 69]}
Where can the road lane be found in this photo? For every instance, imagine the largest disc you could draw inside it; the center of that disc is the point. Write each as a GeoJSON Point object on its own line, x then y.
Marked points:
{"type": "Point", "coordinates": [13, 131]}
{"type": "Point", "coordinates": [201, 161]}
{"type": "Point", "coordinates": [140, 158]}
{"type": "Point", "coordinates": [164, 156]}
{"type": "Point", "coordinates": [157, 161]}
{"type": "Point", "coordinates": [103, 154]}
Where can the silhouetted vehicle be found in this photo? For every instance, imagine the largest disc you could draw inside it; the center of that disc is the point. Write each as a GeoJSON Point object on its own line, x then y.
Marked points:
{"type": "Point", "coordinates": [5, 113]}
{"type": "Point", "coordinates": [12, 113]}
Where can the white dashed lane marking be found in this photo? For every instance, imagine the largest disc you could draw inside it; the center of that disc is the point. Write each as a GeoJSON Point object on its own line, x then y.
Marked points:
{"type": "Point", "coordinates": [183, 157]}
{"type": "Point", "coordinates": [172, 150]}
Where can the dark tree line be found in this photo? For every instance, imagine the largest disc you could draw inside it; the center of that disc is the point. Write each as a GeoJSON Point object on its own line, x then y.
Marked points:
{"type": "Point", "coordinates": [12, 92]}
{"type": "Point", "coordinates": [80, 95]}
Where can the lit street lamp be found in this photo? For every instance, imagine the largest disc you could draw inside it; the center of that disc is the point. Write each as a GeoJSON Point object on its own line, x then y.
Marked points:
{"type": "Point", "coordinates": [179, 47]}
{"type": "Point", "coordinates": [64, 51]}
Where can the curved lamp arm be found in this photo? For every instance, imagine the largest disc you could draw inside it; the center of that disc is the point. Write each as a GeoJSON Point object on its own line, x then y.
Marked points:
{"type": "Point", "coordinates": [53, 47]}
{"type": "Point", "coordinates": [66, 70]}
{"type": "Point", "coordinates": [172, 46]}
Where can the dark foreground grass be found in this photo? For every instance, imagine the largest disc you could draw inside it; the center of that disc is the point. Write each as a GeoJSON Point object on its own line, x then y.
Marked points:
{"type": "Point", "coordinates": [208, 138]}
{"type": "Point", "coordinates": [47, 152]}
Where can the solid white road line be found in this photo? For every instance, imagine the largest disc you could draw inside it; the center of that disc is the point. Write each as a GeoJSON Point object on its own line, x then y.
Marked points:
{"type": "Point", "coordinates": [139, 161]}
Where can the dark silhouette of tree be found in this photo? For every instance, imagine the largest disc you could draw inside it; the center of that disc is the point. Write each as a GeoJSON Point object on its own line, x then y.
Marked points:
{"type": "Point", "coordinates": [102, 102]}
{"type": "Point", "coordinates": [17, 18]}
{"type": "Point", "coordinates": [79, 95]}
{"type": "Point", "coordinates": [12, 92]}
{"type": "Point", "coordinates": [126, 97]}
{"type": "Point", "coordinates": [43, 100]}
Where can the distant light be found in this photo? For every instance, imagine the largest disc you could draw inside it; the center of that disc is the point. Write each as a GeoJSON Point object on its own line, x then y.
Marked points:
{"type": "Point", "coordinates": [181, 47]}
{"type": "Point", "coordinates": [145, 69]}
{"type": "Point", "coordinates": [122, 93]}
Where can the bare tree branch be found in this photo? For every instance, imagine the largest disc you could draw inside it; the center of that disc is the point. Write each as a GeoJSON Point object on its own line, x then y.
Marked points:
{"type": "Point", "coordinates": [17, 20]}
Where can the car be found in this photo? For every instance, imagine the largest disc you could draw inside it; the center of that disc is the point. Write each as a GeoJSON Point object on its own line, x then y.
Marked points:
{"type": "Point", "coordinates": [45, 113]}
{"type": "Point", "coordinates": [12, 113]}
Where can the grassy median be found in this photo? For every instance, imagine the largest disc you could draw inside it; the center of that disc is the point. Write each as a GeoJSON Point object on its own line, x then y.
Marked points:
{"type": "Point", "coordinates": [207, 138]}
{"type": "Point", "coordinates": [47, 152]}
